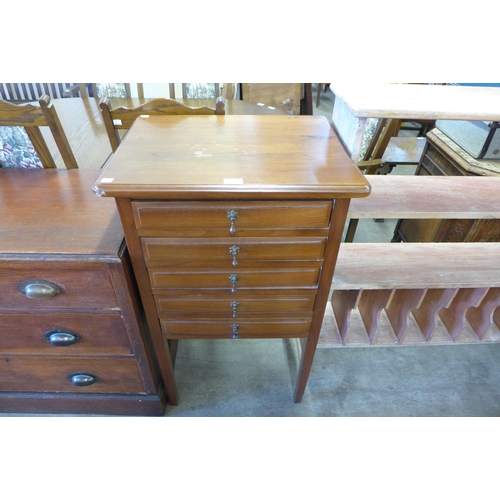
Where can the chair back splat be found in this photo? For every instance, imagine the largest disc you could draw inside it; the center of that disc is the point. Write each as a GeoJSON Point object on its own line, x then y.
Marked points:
{"type": "Point", "coordinates": [123, 118]}
{"type": "Point", "coordinates": [32, 117]}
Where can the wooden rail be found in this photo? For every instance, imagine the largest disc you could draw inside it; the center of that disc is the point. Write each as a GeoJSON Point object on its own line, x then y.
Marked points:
{"type": "Point", "coordinates": [418, 293]}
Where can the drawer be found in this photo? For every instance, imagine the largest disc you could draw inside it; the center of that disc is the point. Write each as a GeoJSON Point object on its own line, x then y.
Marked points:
{"type": "Point", "coordinates": [258, 328]}
{"type": "Point", "coordinates": [96, 334]}
{"type": "Point", "coordinates": [213, 306]}
{"type": "Point", "coordinates": [238, 280]}
{"type": "Point", "coordinates": [227, 252]}
{"type": "Point", "coordinates": [214, 219]}
{"type": "Point", "coordinates": [50, 374]}
{"type": "Point", "coordinates": [79, 286]}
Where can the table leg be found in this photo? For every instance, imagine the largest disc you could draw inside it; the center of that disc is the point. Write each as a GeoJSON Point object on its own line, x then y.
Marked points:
{"type": "Point", "coordinates": [334, 238]}
{"type": "Point", "coordinates": [349, 128]}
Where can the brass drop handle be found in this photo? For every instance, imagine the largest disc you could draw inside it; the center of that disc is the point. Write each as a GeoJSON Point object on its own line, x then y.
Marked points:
{"type": "Point", "coordinates": [232, 215]}
{"type": "Point", "coordinates": [235, 328]}
{"type": "Point", "coordinates": [39, 289]}
{"type": "Point", "coordinates": [234, 251]}
{"type": "Point", "coordinates": [233, 279]}
{"type": "Point", "coordinates": [234, 306]}
{"type": "Point", "coordinates": [61, 338]}
{"type": "Point", "coordinates": [82, 379]}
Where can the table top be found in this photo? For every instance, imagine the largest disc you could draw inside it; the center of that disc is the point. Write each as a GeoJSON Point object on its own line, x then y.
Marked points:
{"type": "Point", "coordinates": [55, 212]}
{"type": "Point", "coordinates": [82, 121]}
{"type": "Point", "coordinates": [430, 102]}
{"type": "Point", "coordinates": [215, 157]}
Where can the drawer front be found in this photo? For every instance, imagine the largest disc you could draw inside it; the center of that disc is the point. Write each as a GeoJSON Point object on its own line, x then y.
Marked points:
{"type": "Point", "coordinates": [237, 280]}
{"type": "Point", "coordinates": [279, 328]}
{"type": "Point", "coordinates": [227, 307]}
{"type": "Point", "coordinates": [77, 287]}
{"type": "Point", "coordinates": [438, 164]}
{"type": "Point", "coordinates": [211, 219]}
{"type": "Point", "coordinates": [50, 333]}
{"type": "Point", "coordinates": [227, 252]}
{"type": "Point", "coordinates": [46, 374]}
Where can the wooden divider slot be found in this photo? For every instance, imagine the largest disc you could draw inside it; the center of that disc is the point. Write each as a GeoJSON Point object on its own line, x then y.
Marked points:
{"type": "Point", "coordinates": [453, 317]}
{"type": "Point", "coordinates": [401, 303]}
{"type": "Point", "coordinates": [425, 315]}
{"type": "Point", "coordinates": [480, 318]}
{"type": "Point", "coordinates": [343, 302]}
{"type": "Point", "coordinates": [370, 305]}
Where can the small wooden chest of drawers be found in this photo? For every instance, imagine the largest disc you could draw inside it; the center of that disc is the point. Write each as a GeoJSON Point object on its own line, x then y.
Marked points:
{"type": "Point", "coordinates": [73, 337]}
{"type": "Point", "coordinates": [233, 224]}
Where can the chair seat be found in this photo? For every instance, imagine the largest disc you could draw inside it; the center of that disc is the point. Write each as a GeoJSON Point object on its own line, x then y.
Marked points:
{"type": "Point", "coordinates": [404, 150]}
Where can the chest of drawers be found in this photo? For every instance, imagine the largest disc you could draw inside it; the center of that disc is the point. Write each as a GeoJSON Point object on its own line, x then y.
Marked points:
{"type": "Point", "coordinates": [73, 338]}
{"type": "Point", "coordinates": [233, 224]}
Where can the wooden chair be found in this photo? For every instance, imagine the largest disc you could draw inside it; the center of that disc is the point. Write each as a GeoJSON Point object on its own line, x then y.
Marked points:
{"type": "Point", "coordinates": [189, 90]}
{"type": "Point", "coordinates": [385, 151]}
{"type": "Point", "coordinates": [196, 90]}
{"type": "Point", "coordinates": [318, 95]}
{"type": "Point", "coordinates": [122, 118]}
{"type": "Point", "coordinates": [32, 117]}
{"type": "Point", "coordinates": [101, 90]}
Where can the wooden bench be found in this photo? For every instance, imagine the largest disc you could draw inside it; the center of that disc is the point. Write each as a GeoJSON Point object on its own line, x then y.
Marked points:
{"type": "Point", "coordinates": [418, 293]}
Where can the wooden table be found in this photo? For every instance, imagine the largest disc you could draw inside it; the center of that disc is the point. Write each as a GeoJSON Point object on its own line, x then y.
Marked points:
{"type": "Point", "coordinates": [355, 103]}
{"type": "Point", "coordinates": [82, 122]}
{"type": "Point", "coordinates": [233, 225]}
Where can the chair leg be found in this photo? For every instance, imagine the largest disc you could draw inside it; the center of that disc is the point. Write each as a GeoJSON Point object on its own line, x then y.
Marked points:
{"type": "Point", "coordinates": [351, 230]}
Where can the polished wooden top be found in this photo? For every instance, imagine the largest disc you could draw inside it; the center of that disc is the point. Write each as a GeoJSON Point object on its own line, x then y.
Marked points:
{"type": "Point", "coordinates": [432, 102]}
{"type": "Point", "coordinates": [242, 156]}
{"type": "Point", "coordinates": [55, 212]}
{"type": "Point", "coordinates": [82, 122]}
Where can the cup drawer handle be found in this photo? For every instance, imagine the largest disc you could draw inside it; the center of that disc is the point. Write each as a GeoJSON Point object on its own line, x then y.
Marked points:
{"type": "Point", "coordinates": [39, 289]}
{"type": "Point", "coordinates": [61, 338]}
{"type": "Point", "coordinates": [82, 379]}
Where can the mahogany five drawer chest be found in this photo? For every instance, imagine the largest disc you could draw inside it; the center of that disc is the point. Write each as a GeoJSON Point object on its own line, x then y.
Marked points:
{"type": "Point", "coordinates": [233, 224]}
{"type": "Point", "coordinates": [73, 337]}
